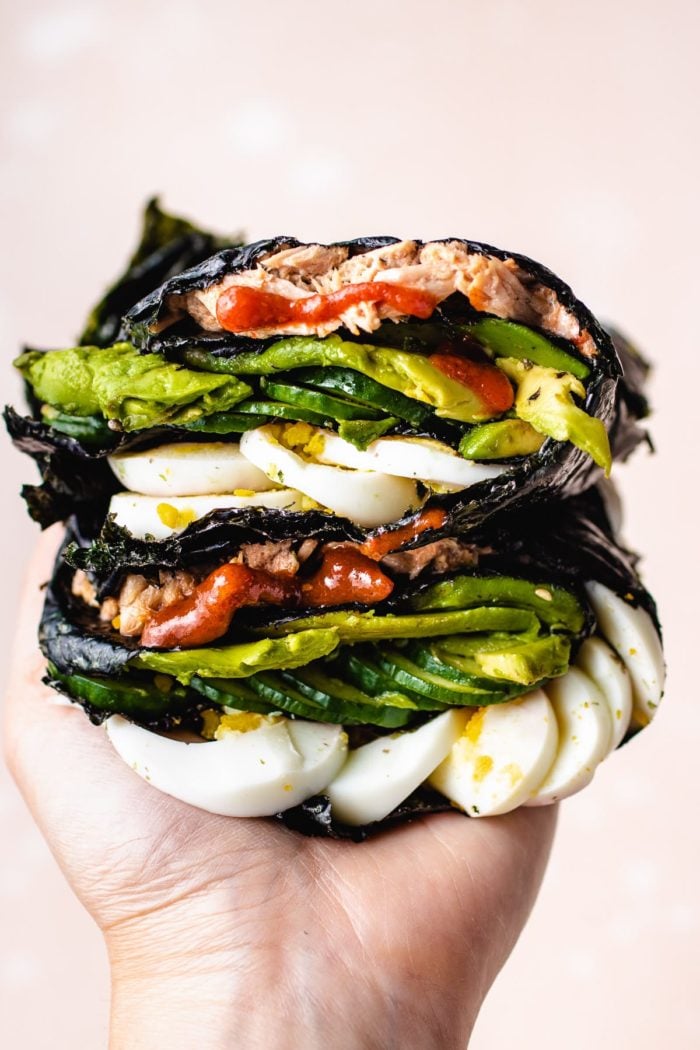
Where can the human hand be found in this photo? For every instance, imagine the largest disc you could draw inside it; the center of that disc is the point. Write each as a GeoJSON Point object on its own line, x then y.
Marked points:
{"type": "Point", "coordinates": [226, 932]}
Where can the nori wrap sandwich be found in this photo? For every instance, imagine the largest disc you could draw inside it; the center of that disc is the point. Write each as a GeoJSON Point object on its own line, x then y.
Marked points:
{"type": "Point", "coordinates": [334, 550]}
{"type": "Point", "coordinates": [382, 679]}
{"type": "Point", "coordinates": [370, 378]}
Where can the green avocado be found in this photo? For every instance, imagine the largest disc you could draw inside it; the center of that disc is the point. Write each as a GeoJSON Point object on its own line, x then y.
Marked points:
{"type": "Point", "coordinates": [527, 664]}
{"type": "Point", "coordinates": [367, 626]}
{"type": "Point", "coordinates": [241, 661]}
{"type": "Point", "coordinates": [117, 382]}
{"type": "Point", "coordinates": [500, 440]}
{"type": "Point", "coordinates": [410, 374]}
{"type": "Point", "coordinates": [553, 606]}
{"type": "Point", "coordinates": [545, 399]}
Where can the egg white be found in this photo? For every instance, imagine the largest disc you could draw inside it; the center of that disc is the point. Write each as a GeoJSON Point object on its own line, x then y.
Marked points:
{"type": "Point", "coordinates": [188, 469]}
{"type": "Point", "coordinates": [254, 773]}
{"type": "Point", "coordinates": [366, 497]}
{"type": "Point", "coordinates": [162, 517]}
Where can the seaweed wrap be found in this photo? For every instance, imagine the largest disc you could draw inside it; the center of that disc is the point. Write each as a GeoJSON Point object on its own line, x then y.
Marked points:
{"type": "Point", "coordinates": [252, 665]}
{"type": "Point", "coordinates": [372, 380]}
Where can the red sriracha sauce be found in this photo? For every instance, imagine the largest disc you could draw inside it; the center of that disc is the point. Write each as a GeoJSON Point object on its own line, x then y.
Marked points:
{"type": "Point", "coordinates": [242, 309]}
{"type": "Point", "coordinates": [390, 540]}
{"type": "Point", "coordinates": [346, 575]}
{"type": "Point", "coordinates": [487, 381]}
{"type": "Point", "coordinates": [206, 614]}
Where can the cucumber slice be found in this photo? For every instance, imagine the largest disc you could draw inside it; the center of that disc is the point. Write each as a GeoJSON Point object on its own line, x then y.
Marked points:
{"type": "Point", "coordinates": [89, 430]}
{"type": "Point", "coordinates": [461, 670]}
{"type": "Point", "coordinates": [405, 673]}
{"type": "Point", "coordinates": [507, 339]}
{"type": "Point", "coordinates": [226, 423]}
{"type": "Point", "coordinates": [316, 401]}
{"type": "Point", "coordinates": [364, 672]}
{"type": "Point", "coordinates": [229, 692]}
{"type": "Point", "coordinates": [284, 697]}
{"type": "Point", "coordinates": [140, 697]}
{"type": "Point", "coordinates": [344, 700]}
{"type": "Point", "coordinates": [364, 390]}
{"type": "Point", "coordinates": [281, 411]}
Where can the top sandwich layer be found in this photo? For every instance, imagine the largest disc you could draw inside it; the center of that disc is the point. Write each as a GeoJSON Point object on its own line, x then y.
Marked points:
{"type": "Point", "coordinates": [371, 377]}
{"type": "Point", "coordinates": [315, 289]}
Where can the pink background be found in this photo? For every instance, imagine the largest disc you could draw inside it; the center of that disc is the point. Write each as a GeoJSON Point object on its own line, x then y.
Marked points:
{"type": "Point", "coordinates": [567, 131]}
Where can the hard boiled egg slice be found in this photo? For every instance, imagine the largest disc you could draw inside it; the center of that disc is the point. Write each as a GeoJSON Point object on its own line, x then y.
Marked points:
{"type": "Point", "coordinates": [189, 469]}
{"type": "Point", "coordinates": [421, 458]}
{"type": "Point", "coordinates": [380, 775]}
{"type": "Point", "coordinates": [503, 755]}
{"type": "Point", "coordinates": [584, 727]}
{"type": "Point", "coordinates": [152, 516]}
{"type": "Point", "coordinates": [632, 634]}
{"type": "Point", "coordinates": [604, 667]}
{"type": "Point", "coordinates": [268, 766]}
{"type": "Point", "coordinates": [365, 497]}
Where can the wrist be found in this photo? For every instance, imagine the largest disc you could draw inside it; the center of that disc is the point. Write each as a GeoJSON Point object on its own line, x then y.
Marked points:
{"type": "Point", "coordinates": [199, 984]}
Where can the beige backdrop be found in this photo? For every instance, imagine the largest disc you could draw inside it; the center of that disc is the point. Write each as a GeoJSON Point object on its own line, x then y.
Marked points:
{"type": "Point", "coordinates": [567, 131]}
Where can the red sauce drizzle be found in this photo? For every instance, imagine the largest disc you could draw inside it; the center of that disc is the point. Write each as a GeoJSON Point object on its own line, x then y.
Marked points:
{"type": "Point", "coordinates": [206, 614]}
{"type": "Point", "coordinates": [391, 539]}
{"type": "Point", "coordinates": [242, 309]}
{"type": "Point", "coordinates": [488, 382]}
{"type": "Point", "coordinates": [346, 575]}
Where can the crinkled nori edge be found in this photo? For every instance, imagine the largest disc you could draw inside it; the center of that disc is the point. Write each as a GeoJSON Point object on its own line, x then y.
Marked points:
{"type": "Point", "coordinates": [168, 244]}
{"type": "Point", "coordinates": [313, 817]}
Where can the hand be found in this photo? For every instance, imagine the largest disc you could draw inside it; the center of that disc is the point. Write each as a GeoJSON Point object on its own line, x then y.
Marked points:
{"type": "Point", "coordinates": [224, 932]}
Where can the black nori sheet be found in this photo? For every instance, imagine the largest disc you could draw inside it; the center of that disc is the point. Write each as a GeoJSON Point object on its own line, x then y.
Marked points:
{"type": "Point", "coordinates": [168, 245]}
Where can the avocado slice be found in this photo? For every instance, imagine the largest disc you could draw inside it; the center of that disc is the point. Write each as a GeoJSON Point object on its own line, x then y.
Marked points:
{"type": "Point", "coordinates": [501, 440]}
{"type": "Point", "coordinates": [545, 399]}
{"type": "Point", "coordinates": [241, 661]}
{"type": "Point", "coordinates": [118, 382]}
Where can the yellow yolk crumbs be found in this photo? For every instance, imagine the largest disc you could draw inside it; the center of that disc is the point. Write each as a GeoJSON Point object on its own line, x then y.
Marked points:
{"type": "Point", "coordinates": [303, 439]}
{"type": "Point", "coordinates": [215, 725]}
{"type": "Point", "coordinates": [244, 492]}
{"type": "Point", "coordinates": [173, 518]}
{"type": "Point", "coordinates": [243, 722]}
{"type": "Point", "coordinates": [472, 730]}
{"type": "Point", "coordinates": [210, 723]}
{"type": "Point", "coordinates": [482, 767]}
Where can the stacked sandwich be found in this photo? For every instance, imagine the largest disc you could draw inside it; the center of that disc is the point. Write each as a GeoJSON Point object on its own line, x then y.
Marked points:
{"type": "Point", "coordinates": [339, 545]}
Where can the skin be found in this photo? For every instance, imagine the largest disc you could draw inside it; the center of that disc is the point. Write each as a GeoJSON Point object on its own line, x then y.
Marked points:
{"type": "Point", "coordinates": [225, 932]}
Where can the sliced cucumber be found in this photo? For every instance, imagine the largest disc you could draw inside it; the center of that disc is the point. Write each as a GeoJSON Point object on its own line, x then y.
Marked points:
{"type": "Point", "coordinates": [346, 702]}
{"type": "Point", "coordinates": [226, 423]}
{"type": "Point", "coordinates": [229, 692]}
{"type": "Point", "coordinates": [364, 390]}
{"type": "Point", "coordinates": [89, 430]}
{"type": "Point", "coordinates": [435, 687]}
{"type": "Point", "coordinates": [328, 406]}
{"type": "Point", "coordinates": [507, 339]}
{"type": "Point", "coordinates": [141, 697]}
{"type": "Point", "coordinates": [284, 697]}
{"type": "Point", "coordinates": [281, 411]}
